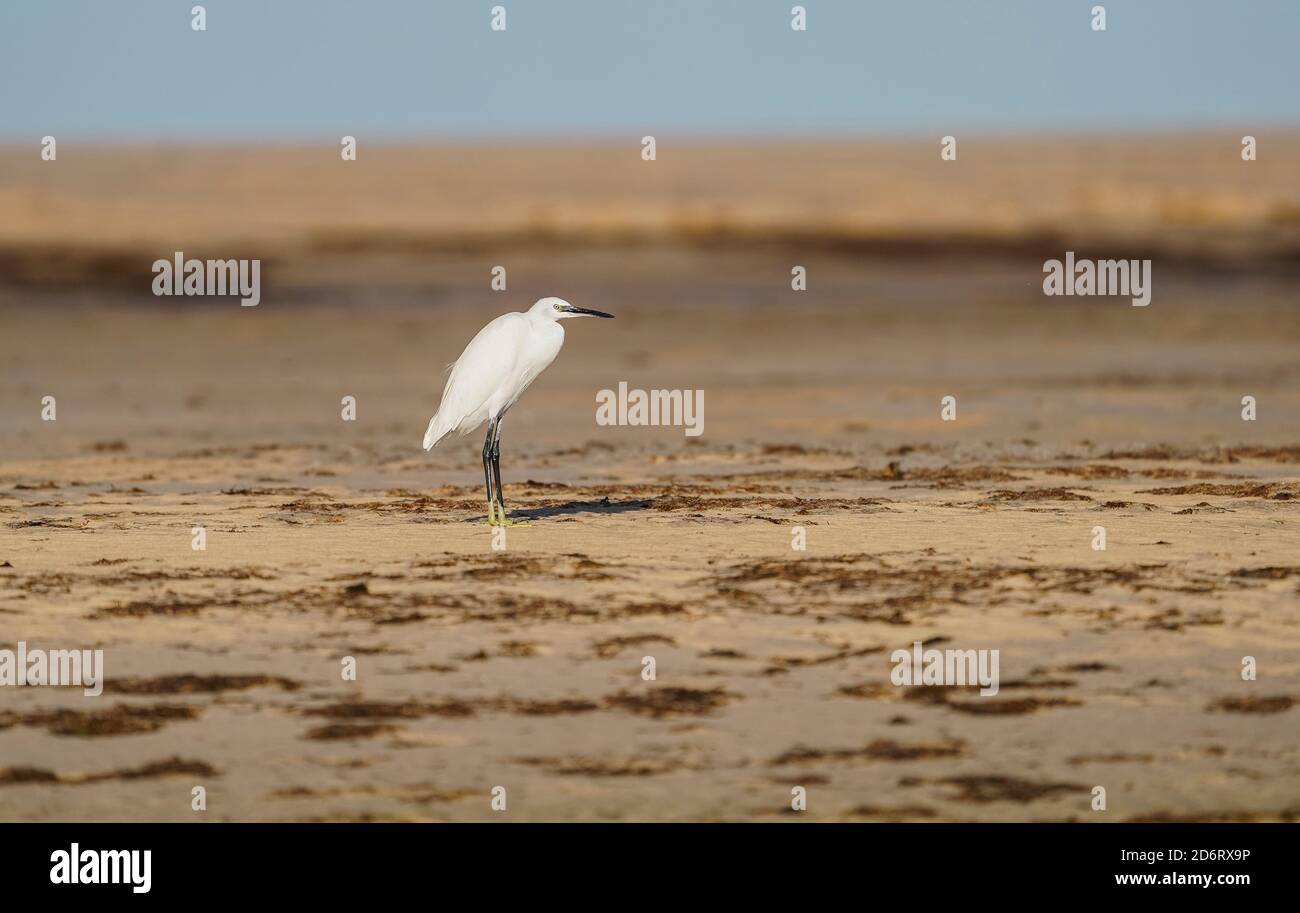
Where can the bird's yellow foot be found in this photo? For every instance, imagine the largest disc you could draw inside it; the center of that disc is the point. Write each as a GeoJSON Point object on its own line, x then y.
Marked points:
{"type": "Point", "coordinates": [492, 513]}
{"type": "Point", "coordinates": [503, 520]}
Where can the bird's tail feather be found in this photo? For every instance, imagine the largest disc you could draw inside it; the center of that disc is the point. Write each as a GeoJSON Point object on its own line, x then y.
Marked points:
{"type": "Point", "coordinates": [436, 431]}
{"type": "Point", "coordinates": [434, 434]}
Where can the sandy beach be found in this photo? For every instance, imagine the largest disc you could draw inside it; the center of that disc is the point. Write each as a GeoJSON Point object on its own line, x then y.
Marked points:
{"type": "Point", "coordinates": [522, 667]}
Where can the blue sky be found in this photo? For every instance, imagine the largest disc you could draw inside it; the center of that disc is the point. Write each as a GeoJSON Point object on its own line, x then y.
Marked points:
{"type": "Point", "coordinates": [282, 69]}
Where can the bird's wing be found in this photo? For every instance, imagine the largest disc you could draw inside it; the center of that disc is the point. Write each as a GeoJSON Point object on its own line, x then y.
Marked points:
{"type": "Point", "coordinates": [539, 351]}
{"type": "Point", "coordinates": [487, 365]}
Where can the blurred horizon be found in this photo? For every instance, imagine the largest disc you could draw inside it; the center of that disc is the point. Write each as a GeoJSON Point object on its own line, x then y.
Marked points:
{"type": "Point", "coordinates": [1230, 131]}
{"type": "Point", "coordinates": [404, 72]}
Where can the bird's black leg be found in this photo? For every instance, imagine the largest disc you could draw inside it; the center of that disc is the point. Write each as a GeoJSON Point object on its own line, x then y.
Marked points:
{"type": "Point", "coordinates": [487, 470]}
{"type": "Point", "coordinates": [496, 466]}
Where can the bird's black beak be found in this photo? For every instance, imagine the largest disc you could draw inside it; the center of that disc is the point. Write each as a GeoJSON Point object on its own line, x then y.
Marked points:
{"type": "Point", "coordinates": [572, 309]}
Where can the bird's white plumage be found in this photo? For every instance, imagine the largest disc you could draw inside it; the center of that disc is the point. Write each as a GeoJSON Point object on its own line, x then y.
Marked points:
{"type": "Point", "coordinates": [495, 369]}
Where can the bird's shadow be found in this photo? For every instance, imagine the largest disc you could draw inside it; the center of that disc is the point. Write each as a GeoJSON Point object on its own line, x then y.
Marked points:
{"type": "Point", "coordinates": [603, 506]}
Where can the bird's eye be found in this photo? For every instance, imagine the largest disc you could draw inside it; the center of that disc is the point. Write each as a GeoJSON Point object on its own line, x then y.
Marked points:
{"type": "Point", "coordinates": [556, 306]}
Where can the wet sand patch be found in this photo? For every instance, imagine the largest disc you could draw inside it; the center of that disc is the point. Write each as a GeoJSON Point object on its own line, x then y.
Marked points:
{"type": "Point", "coordinates": [170, 767]}
{"type": "Point", "coordinates": [878, 750]}
{"type": "Point", "coordinates": [997, 788]}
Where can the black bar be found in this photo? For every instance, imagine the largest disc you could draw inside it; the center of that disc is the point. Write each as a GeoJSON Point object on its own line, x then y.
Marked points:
{"type": "Point", "coordinates": [654, 863]}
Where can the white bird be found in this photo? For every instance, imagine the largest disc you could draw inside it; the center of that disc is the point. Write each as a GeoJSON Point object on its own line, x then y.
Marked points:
{"type": "Point", "coordinates": [492, 373]}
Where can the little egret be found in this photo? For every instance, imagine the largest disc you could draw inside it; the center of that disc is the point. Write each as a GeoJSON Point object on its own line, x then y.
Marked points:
{"type": "Point", "coordinates": [492, 373]}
